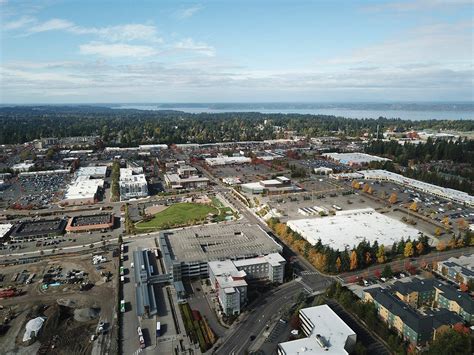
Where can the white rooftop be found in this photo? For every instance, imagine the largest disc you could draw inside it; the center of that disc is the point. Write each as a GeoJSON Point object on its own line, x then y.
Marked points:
{"type": "Point", "coordinates": [230, 281]}
{"type": "Point", "coordinates": [83, 187]}
{"type": "Point", "coordinates": [349, 228]}
{"type": "Point", "coordinates": [331, 329]}
{"type": "Point", "coordinates": [222, 267]}
{"type": "Point", "coordinates": [22, 166]}
{"type": "Point", "coordinates": [273, 259]}
{"type": "Point", "coordinates": [4, 229]}
{"type": "Point", "coordinates": [132, 175]}
{"type": "Point", "coordinates": [223, 160]}
{"type": "Point", "coordinates": [455, 195]}
{"type": "Point", "coordinates": [354, 158]}
{"type": "Point", "coordinates": [92, 171]}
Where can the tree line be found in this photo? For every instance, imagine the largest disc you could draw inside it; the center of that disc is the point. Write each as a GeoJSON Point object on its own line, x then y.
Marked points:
{"type": "Point", "coordinates": [128, 127]}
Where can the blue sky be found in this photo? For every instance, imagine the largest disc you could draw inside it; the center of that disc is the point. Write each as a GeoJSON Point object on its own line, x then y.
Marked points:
{"type": "Point", "coordinates": [235, 51]}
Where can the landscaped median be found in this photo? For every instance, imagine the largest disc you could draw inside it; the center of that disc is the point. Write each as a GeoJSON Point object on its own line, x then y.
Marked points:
{"type": "Point", "coordinates": [197, 328]}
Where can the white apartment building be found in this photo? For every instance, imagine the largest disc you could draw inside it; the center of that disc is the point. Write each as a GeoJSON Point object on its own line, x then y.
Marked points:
{"type": "Point", "coordinates": [271, 267]}
{"type": "Point", "coordinates": [132, 183]}
{"type": "Point", "coordinates": [230, 285]}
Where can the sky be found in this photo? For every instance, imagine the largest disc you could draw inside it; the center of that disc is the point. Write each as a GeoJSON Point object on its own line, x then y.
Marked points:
{"type": "Point", "coordinates": [104, 51]}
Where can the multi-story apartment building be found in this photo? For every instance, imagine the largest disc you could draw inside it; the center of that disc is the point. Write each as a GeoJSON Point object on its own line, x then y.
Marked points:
{"type": "Point", "coordinates": [443, 306]}
{"type": "Point", "coordinates": [412, 326]}
{"type": "Point", "coordinates": [228, 278]}
{"type": "Point", "coordinates": [133, 183]}
{"type": "Point", "coordinates": [459, 270]}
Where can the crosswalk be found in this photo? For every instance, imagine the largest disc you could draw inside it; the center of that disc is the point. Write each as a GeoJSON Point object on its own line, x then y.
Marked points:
{"type": "Point", "coordinates": [309, 273]}
{"type": "Point", "coordinates": [138, 351]}
{"type": "Point", "coordinates": [305, 286]}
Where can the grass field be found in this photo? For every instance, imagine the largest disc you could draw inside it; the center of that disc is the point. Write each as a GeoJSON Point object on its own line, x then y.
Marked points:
{"type": "Point", "coordinates": [176, 215]}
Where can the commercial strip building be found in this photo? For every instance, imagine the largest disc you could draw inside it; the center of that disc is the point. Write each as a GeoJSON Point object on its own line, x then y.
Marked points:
{"type": "Point", "coordinates": [326, 334]}
{"type": "Point", "coordinates": [226, 160]}
{"type": "Point", "coordinates": [322, 170]}
{"type": "Point", "coordinates": [83, 191]}
{"type": "Point", "coordinates": [185, 177]}
{"type": "Point", "coordinates": [449, 194]}
{"type": "Point", "coordinates": [187, 252]}
{"type": "Point", "coordinates": [459, 270]}
{"type": "Point", "coordinates": [132, 183]}
{"type": "Point", "coordinates": [280, 184]}
{"type": "Point", "coordinates": [231, 180]}
{"type": "Point", "coordinates": [92, 172]}
{"type": "Point", "coordinates": [82, 224]}
{"type": "Point", "coordinates": [38, 229]}
{"type": "Point", "coordinates": [87, 187]}
{"type": "Point", "coordinates": [174, 181]}
{"type": "Point", "coordinates": [45, 172]}
{"type": "Point", "coordinates": [442, 306]}
{"type": "Point", "coordinates": [354, 159]}
{"type": "Point", "coordinates": [152, 147]}
{"type": "Point", "coordinates": [349, 228]}
{"type": "Point", "coordinates": [22, 167]}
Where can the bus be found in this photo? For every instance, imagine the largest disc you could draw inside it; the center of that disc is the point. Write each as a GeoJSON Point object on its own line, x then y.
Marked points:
{"type": "Point", "coordinates": [122, 306]}
{"type": "Point", "coordinates": [121, 271]}
{"type": "Point", "coordinates": [158, 328]}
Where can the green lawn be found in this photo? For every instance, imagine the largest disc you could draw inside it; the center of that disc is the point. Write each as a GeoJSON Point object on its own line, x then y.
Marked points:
{"type": "Point", "coordinates": [178, 215]}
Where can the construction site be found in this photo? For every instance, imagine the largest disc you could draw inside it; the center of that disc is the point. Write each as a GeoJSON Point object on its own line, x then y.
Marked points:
{"type": "Point", "coordinates": [60, 306]}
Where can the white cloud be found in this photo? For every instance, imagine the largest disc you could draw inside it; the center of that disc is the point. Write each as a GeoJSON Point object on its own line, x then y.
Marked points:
{"type": "Point", "coordinates": [128, 32]}
{"type": "Point", "coordinates": [188, 12]}
{"type": "Point", "coordinates": [413, 5]}
{"type": "Point", "coordinates": [190, 45]}
{"type": "Point", "coordinates": [51, 25]}
{"type": "Point", "coordinates": [116, 50]}
{"type": "Point", "coordinates": [445, 44]}
{"type": "Point", "coordinates": [119, 33]}
{"type": "Point", "coordinates": [20, 23]}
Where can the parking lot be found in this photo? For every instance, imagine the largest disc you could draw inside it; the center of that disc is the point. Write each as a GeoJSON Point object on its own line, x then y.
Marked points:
{"type": "Point", "coordinates": [247, 172]}
{"type": "Point", "coordinates": [35, 191]}
{"type": "Point", "coordinates": [320, 163]}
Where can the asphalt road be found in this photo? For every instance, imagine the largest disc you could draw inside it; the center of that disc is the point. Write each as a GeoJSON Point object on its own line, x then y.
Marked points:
{"type": "Point", "coordinates": [399, 265]}
{"type": "Point", "coordinates": [237, 340]}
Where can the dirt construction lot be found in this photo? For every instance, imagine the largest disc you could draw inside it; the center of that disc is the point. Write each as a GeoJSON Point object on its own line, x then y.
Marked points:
{"type": "Point", "coordinates": [77, 297]}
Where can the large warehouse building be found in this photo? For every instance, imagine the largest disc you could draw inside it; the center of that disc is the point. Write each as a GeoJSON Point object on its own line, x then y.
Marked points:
{"type": "Point", "coordinates": [354, 159]}
{"type": "Point", "coordinates": [187, 252]}
{"type": "Point", "coordinates": [88, 186]}
{"type": "Point", "coordinates": [41, 229]}
{"type": "Point", "coordinates": [349, 228]}
{"type": "Point", "coordinates": [83, 191]}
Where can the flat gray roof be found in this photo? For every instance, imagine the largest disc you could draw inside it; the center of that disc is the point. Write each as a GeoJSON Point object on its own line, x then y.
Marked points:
{"type": "Point", "coordinates": [217, 242]}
